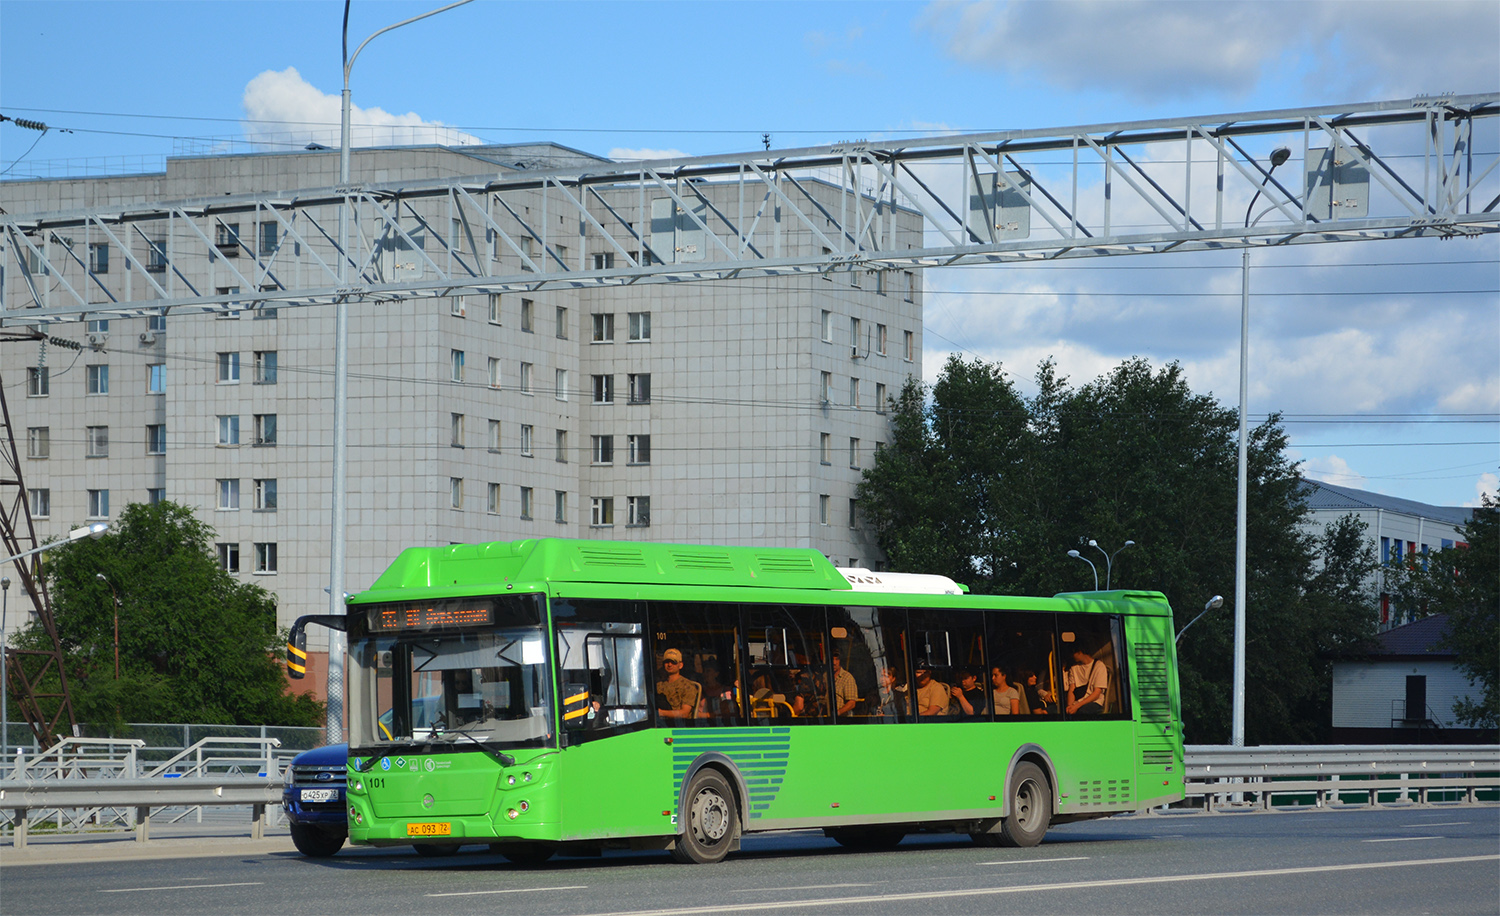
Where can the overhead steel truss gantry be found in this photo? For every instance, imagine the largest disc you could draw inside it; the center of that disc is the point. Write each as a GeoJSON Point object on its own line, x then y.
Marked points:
{"type": "Point", "coordinates": [1418, 167]}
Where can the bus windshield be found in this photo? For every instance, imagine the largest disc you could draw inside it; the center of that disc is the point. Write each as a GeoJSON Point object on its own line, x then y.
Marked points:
{"type": "Point", "coordinates": [425, 683]}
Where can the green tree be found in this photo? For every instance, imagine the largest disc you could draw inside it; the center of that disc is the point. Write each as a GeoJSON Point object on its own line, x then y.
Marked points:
{"type": "Point", "coordinates": [993, 489]}
{"type": "Point", "coordinates": [1464, 583]}
{"type": "Point", "coordinates": [195, 644]}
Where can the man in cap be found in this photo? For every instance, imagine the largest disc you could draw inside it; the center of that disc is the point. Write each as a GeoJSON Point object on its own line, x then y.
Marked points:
{"type": "Point", "coordinates": [932, 696]}
{"type": "Point", "coordinates": [676, 696]}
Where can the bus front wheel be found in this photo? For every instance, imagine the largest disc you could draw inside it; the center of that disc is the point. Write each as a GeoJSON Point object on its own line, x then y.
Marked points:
{"type": "Point", "coordinates": [1030, 807]}
{"type": "Point", "coordinates": [713, 820]}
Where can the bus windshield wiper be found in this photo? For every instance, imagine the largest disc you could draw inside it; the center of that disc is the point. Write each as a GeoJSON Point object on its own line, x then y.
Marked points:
{"type": "Point", "coordinates": [370, 764]}
{"type": "Point", "coordinates": [500, 757]}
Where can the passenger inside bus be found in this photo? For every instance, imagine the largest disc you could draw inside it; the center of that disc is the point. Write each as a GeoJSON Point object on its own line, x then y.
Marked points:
{"type": "Point", "coordinates": [1085, 684]}
{"type": "Point", "coordinates": [932, 696]}
{"type": "Point", "coordinates": [845, 691]}
{"type": "Point", "coordinates": [895, 696]}
{"type": "Point", "coordinates": [1005, 696]}
{"type": "Point", "coordinates": [968, 697]}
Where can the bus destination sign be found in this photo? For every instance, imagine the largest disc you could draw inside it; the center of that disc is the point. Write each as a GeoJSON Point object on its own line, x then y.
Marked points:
{"type": "Point", "coordinates": [443, 615]}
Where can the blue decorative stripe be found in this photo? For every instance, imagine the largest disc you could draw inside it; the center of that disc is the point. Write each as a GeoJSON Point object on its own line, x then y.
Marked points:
{"type": "Point", "coordinates": [762, 756]}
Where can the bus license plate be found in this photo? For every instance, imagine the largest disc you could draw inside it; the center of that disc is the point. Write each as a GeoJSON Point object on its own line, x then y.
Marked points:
{"type": "Point", "coordinates": [319, 795]}
{"type": "Point", "coordinates": [433, 829]}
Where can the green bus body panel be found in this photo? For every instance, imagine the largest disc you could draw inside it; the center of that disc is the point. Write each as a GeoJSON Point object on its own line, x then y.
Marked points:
{"type": "Point", "coordinates": [629, 785]}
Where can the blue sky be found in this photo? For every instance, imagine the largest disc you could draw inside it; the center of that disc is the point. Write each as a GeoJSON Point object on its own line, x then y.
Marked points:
{"type": "Point", "coordinates": [1390, 382]}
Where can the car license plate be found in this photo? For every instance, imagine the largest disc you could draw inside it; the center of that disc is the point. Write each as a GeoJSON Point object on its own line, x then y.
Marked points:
{"type": "Point", "coordinates": [319, 795]}
{"type": "Point", "coordinates": [431, 829]}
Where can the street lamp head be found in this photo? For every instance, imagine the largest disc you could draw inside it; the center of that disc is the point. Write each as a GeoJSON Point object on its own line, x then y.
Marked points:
{"type": "Point", "coordinates": [1093, 543]}
{"type": "Point", "coordinates": [1128, 544]}
{"type": "Point", "coordinates": [1074, 555]}
{"type": "Point", "coordinates": [5, 583]}
{"type": "Point", "coordinates": [100, 577]}
{"type": "Point", "coordinates": [88, 531]}
{"type": "Point", "coordinates": [1280, 155]}
{"type": "Point", "coordinates": [1214, 603]}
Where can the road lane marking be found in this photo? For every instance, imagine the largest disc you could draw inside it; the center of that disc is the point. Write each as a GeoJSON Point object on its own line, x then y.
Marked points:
{"type": "Point", "coordinates": [1032, 888]}
{"type": "Point", "coordinates": [1401, 839]}
{"type": "Point", "coordinates": [1035, 861]}
{"type": "Point", "coordinates": [809, 887]}
{"type": "Point", "coordinates": [1445, 824]}
{"type": "Point", "coordinates": [511, 890]}
{"type": "Point", "coordinates": [176, 887]}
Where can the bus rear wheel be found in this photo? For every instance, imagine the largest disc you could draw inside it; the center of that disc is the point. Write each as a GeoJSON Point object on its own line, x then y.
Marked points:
{"type": "Point", "coordinates": [315, 842]}
{"type": "Point", "coordinates": [1030, 807]}
{"type": "Point", "coordinates": [713, 820]}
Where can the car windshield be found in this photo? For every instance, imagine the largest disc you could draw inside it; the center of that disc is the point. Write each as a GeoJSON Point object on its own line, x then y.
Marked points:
{"type": "Point", "coordinates": [419, 685]}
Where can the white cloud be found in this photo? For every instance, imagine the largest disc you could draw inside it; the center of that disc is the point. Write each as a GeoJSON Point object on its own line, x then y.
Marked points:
{"type": "Point", "coordinates": [284, 110]}
{"type": "Point", "coordinates": [621, 154]}
{"type": "Point", "coordinates": [1150, 49]}
{"type": "Point", "coordinates": [1332, 469]}
{"type": "Point", "coordinates": [1486, 485]}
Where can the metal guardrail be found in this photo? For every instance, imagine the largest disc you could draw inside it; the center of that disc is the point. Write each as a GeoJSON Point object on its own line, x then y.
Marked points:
{"type": "Point", "coordinates": [1326, 774]}
{"type": "Point", "coordinates": [1214, 775]}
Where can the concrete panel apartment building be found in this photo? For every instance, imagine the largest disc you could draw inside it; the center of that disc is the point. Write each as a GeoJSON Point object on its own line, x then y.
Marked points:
{"type": "Point", "coordinates": [726, 412]}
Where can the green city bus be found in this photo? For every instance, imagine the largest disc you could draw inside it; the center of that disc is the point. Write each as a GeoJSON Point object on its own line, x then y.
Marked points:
{"type": "Point", "coordinates": [554, 695]}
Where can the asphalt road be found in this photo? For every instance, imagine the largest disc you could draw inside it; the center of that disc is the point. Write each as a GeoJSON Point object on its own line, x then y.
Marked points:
{"type": "Point", "coordinates": [1409, 860]}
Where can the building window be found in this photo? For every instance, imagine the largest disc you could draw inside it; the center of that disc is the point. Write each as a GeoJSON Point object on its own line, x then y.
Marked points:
{"type": "Point", "coordinates": [827, 326]}
{"type": "Point", "coordinates": [155, 495]}
{"type": "Point", "coordinates": [265, 494]}
{"type": "Point", "coordinates": [229, 429]}
{"type": "Point", "coordinates": [229, 557]}
{"type": "Point", "coordinates": [494, 308]}
{"type": "Point", "coordinates": [456, 492]}
{"type": "Point", "coordinates": [880, 397]}
{"type": "Point", "coordinates": [96, 326]}
{"type": "Point", "coordinates": [229, 493]}
{"type": "Point", "coordinates": [601, 511]}
{"type": "Point", "coordinates": [825, 448]}
{"type": "Point", "coordinates": [494, 372]}
{"type": "Point", "coordinates": [268, 238]}
{"type": "Point", "coordinates": [456, 306]}
{"type": "Point", "coordinates": [265, 559]}
{"type": "Point", "coordinates": [640, 449]}
{"type": "Point", "coordinates": [456, 360]}
{"type": "Point", "coordinates": [227, 239]}
{"type": "Point", "coordinates": [854, 331]}
{"type": "Point", "coordinates": [526, 378]}
{"type": "Point", "coordinates": [494, 438]}
{"type": "Point", "coordinates": [229, 368]}
{"type": "Point", "coordinates": [823, 509]}
{"type": "Point", "coordinates": [604, 449]}
{"type": "Point", "coordinates": [38, 384]}
{"type": "Point", "coordinates": [562, 446]}
{"type": "Point", "coordinates": [604, 260]}
{"type": "Point", "coordinates": [492, 499]}
{"type": "Point", "coordinates": [526, 439]}
{"type": "Point", "coordinates": [526, 494]}
{"type": "Point", "coordinates": [156, 255]}
{"type": "Point", "coordinates": [157, 323]}
{"type": "Point", "coordinates": [265, 367]}
{"type": "Point", "coordinates": [98, 441]}
{"type": "Point", "coordinates": [98, 504]}
{"type": "Point", "coordinates": [562, 384]}
{"type": "Point", "coordinates": [99, 257]}
{"type": "Point", "coordinates": [156, 438]}
{"type": "Point", "coordinates": [560, 506]}
{"type": "Point", "coordinates": [456, 235]}
{"type": "Point", "coordinates": [233, 311]}
{"type": "Point", "coordinates": [456, 430]}
{"type": "Point", "coordinates": [265, 429]}
{"type": "Point", "coordinates": [604, 326]}
{"type": "Point", "coordinates": [638, 511]}
{"type": "Point", "coordinates": [640, 325]}
{"type": "Point", "coordinates": [640, 387]}
{"type": "Point", "coordinates": [528, 316]}
{"type": "Point", "coordinates": [854, 453]}
{"type": "Point", "coordinates": [39, 442]}
{"type": "Point", "coordinates": [40, 500]}
{"type": "Point", "coordinates": [562, 323]}
{"type": "Point", "coordinates": [880, 335]}
{"type": "Point", "coordinates": [825, 385]}
{"type": "Point", "coordinates": [854, 392]}
{"type": "Point", "coordinates": [156, 378]}
{"type": "Point", "coordinates": [604, 389]}
{"type": "Point", "coordinates": [909, 346]}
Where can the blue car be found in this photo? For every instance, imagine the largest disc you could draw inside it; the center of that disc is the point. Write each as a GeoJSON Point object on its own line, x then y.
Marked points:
{"type": "Point", "coordinates": [314, 800]}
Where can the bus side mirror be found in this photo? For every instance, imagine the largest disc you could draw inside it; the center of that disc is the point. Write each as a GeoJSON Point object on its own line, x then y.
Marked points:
{"type": "Point", "coordinates": [296, 652]}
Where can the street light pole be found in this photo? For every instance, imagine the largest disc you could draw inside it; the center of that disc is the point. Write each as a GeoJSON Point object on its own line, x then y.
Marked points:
{"type": "Point", "coordinates": [1237, 725]}
{"type": "Point", "coordinates": [339, 536]}
{"type": "Point", "coordinates": [115, 595]}
{"type": "Point", "coordinates": [4, 675]}
{"type": "Point", "coordinates": [1078, 556]}
{"type": "Point", "coordinates": [1109, 560]}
